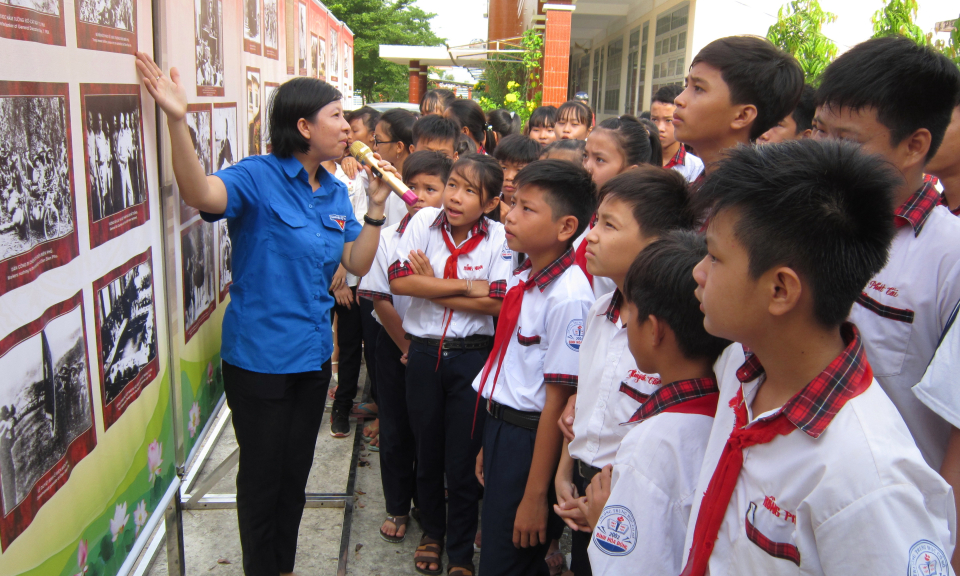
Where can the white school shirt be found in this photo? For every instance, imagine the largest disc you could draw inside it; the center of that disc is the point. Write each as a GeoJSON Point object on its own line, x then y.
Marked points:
{"type": "Point", "coordinates": [601, 284]}
{"type": "Point", "coordinates": [857, 499]}
{"type": "Point", "coordinates": [357, 188]}
{"type": "Point", "coordinates": [375, 285]}
{"type": "Point", "coordinates": [545, 345]}
{"type": "Point", "coordinates": [425, 319]}
{"type": "Point", "coordinates": [394, 210]}
{"type": "Point", "coordinates": [686, 164]}
{"type": "Point", "coordinates": [644, 522]}
{"type": "Point", "coordinates": [938, 387]}
{"type": "Point", "coordinates": [607, 373]}
{"type": "Point", "coordinates": [903, 311]}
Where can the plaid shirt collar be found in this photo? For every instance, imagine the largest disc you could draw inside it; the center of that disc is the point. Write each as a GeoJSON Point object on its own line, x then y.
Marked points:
{"type": "Point", "coordinates": [479, 228]}
{"type": "Point", "coordinates": [678, 159]}
{"type": "Point", "coordinates": [673, 394]}
{"type": "Point", "coordinates": [918, 208]}
{"type": "Point", "coordinates": [551, 272]}
{"type": "Point", "coordinates": [813, 408]}
{"type": "Point", "coordinates": [613, 310]}
{"type": "Point", "coordinates": [402, 227]}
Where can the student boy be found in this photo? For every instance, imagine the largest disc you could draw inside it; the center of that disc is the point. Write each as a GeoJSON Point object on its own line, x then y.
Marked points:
{"type": "Point", "coordinates": [434, 132]}
{"type": "Point", "coordinates": [636, 208]}
{"type": "Point", "coordinates": [674, 154]}
{"type": "Point", "coordinates": [514, 153]}
{"type": "Point", "coordinates": [533, 366]}
{"type": "Point", "coordinates": [639, 514]}
{"type": "Point", "coordinates": [945, 165]}
{"type": "Point", "coordinates": [737, 88]}
{"type": "Point", "coordinates": [426, 173]}
{"type": "Point", "coordinates": [870, 95]}
{"type": "Point", "coordinates": [809, 468]}
{"type": "Point", "coordinates": [798, 124]}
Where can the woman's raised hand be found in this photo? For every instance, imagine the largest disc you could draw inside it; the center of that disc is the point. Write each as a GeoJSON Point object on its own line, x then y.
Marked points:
{"type": "Point", "coordinates": [168, 92]}
{"type": "Point", "coordinates": [379, 190]}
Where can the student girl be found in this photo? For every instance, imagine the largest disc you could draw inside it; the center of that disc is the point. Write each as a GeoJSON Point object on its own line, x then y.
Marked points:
{"type": "Point", "coordinates": [574, 121]}
{"type": "Point", "coordinates": [569, 150]}
{"type": "Point", "coordinates": [503, 123]}
{"type": "Point", "coordinates": [454, 262]}
{"type": "Point", "coordinates": [393, 140]}
{"type": "Point", "coordinates": [436, 101]}
{"type": "Point", "coordinates": [540, 126]}
{"type": "Point", "coordinates": [473, 124]}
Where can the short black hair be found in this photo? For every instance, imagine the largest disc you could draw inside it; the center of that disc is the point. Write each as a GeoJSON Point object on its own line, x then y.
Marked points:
{"type": "Point", "coordinates": [909, 86]}
{"type": "Point", "coordinates": [434, 99]}
{"type": "Point", "coordinates": [656, 148]}
{"type": "Point", "coordinates": [466, 145]}
{"type": "Point", "coordinates": [570, 189]}
{"type": "Point", "coordinates": [579, 110]}
{"type": "Point", "coordinates": [756, 72]}
{"type": "Point", "coordinates": [367, 115]}
{"type": "Point", "coordinates": [823, 208]}
{"type": "Point", "coordinates": [470, 116]}
{"type": "Point", "coordinates": [542, 117]}
{"type": "Point", "coordinates": [660, 199]}
{"type": "Point", "coordinates": [645, 115]}
{"type": "Point", "coordinates": [399, 125]}
{"type": "Point", "coordinates": [660, 283]}
{"type": "Point", "coordinates": [296, 98]}
{"type": "Point", "coordinates": [572, 147]}
{"type": "Point", "coordinates": [805, 110]}
{"type": "Point", "coordinates": [436, 128]}
{"type": "Point", "coordinates": [427, 162]}
{"type": "Point", "coordinates": [503, 122]}
{"type": "Point", "coordinates": [518, 149]}
{"type": "Point", "coordinates": [667, 94]}
{"type": "Point", "coordinates": [485, 173]}
{"type": "Point", "coordinates": [635, 141]}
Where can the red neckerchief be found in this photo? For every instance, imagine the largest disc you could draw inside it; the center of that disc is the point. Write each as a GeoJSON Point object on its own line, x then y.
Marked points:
{"type": "Point", "coordinates": [450, 271]}
{"type": "Point", "coordinates": [581, 256]}
{"type": "Point", "coordinates": [811, 410]}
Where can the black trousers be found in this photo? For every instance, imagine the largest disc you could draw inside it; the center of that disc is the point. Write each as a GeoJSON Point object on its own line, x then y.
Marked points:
{"type": "Point", "coordinates": [440, 401]}
{"type": "Point", "coordinates": [507, 456]}
{"type": "Point", "coordinates": [356, 339]}
{"type": "Point", "coordinates": [579, 561]}
{"type": "Point", "coordinates": [398, 450]}
{"type": "Point", "coordinates": [276, 418]}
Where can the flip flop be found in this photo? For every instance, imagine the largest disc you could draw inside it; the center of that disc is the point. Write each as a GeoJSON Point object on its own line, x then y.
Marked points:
{"type": "Point", "coordinates": [398, 521]}
{"type": "Point", "coordinates": [363, 411]}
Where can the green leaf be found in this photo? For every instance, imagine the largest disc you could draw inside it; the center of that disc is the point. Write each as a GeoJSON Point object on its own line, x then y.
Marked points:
{"type": "Point", "coordinates": [106, 548]}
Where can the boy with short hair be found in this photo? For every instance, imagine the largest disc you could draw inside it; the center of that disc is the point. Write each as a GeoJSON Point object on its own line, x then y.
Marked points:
{"type": "Point", "coordinates": [870, 96]}
{"type": "Point", "coordinates": [533, 366]}
{"type": "Point", "coordinates": [945, 164]}
{"type": "Point", "coordinates": [434, 132]}
{"type": "Point", "coordinates": [809, 467]}
{"type": "Point", "coordinates": [737, 88]}
{"type": "Point", "coordinates": [798, 124]}
{"type": "Point", "coordinates": [636, 208]}
{"type": "Point", "coordinates": [426, 173]}
{"type": "Point", "coordinates": [513, 153]}
{"type": "Point", "coordinates": [639, 510]}
{"type": "Point", "coordinates": [674, 154]}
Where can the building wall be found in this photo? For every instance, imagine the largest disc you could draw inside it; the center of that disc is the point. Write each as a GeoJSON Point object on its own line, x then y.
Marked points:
{"type": "Point", "coordinates": [503, 20]}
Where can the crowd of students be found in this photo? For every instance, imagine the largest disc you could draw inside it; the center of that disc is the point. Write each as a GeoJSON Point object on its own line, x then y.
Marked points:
{"type": "Point", "coordinates": [718, 340]}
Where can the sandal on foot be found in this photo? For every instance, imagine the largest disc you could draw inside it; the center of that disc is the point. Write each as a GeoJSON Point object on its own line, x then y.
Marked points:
{"type": "Point", "coordinates": [428, 552]}
{"type": "Point", "coordinates": [398, 522]}
{"type": "Point", "coordinates": [466, 570]}
{"type": "Point", "coordinates": [557, 568]}
{"type": "Point", "coordinates": [364, 410]}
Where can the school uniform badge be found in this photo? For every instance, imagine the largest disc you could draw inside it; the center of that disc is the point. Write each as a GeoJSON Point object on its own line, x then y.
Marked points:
{"type": "Point", "coordinates": [506, 253]}
{"type": "Point", "coordinates": [340, 220]}
{"type": "Point", "coordinates": [574, 336]}
{"type": "Point", "coordinates": [616, 532]}
{"type": "Point", "coordinates": [927, 559]}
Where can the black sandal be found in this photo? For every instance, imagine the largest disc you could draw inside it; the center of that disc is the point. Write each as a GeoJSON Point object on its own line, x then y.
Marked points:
{"type": "Point", "coordinates": [462, 570]}
{"type": "Point", "coordinates": [429, 552]}
{"type": "Point", "coordinates": [398, 522]}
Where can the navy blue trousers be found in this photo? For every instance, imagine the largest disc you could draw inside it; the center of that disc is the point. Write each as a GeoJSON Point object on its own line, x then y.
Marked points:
{"type": "Point", "coordinates": [579, 561]}
{"type": "Point", "coordinates": [398, 451]}
{"type": "Point", "coordinates": [440, 402]}
{"type": "Point", "coordinates": [356, 337]}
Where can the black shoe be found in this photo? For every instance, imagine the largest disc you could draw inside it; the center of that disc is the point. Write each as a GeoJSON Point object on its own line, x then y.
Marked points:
{"type": "Point", "coordinates": [339, 424]}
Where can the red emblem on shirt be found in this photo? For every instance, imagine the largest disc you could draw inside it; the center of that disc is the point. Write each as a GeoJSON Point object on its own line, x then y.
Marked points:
{"type": "Point", "coordinates": [340, 220]}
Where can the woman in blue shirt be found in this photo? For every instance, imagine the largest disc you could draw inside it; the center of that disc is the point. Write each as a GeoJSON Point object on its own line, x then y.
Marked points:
{"type": "Point", "coordinates": [291, 224]}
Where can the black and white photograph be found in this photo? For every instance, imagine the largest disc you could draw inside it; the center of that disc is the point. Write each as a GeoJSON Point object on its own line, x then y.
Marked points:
{"type": "Point", "coordinates": [116, 14]}
{"type": "Point", "coordinates": [51, 7]}
{"type": "Point", "coordinates": [107, 25]}
{"type": "Point", "coordinates": [334, 40]}
{"type": "Point", "coordinates": [251, 26]}
{"type": "Point", "coordinates": [314, 56]}
{"type": "Point", "coordinates": [253, 112]}
{"type": "Point", "coordinates": [302, 38]}
{"type": "Point", "coordinates": [347, 54]}
{"type": "Point", "coordinates": [226, 146]}
{"type": "Point", "coordinates": [45, 407]}
{"type": "Point", "coordinates": [198, 123]}
{"type": "Point", "coordinates": [322, 59]}
{"type": "Point", "coordinates": [198, 267]}
{"type": "Point", "coordinates": [268, 89]}
{"type": "Point", "coordinates": [33, 21]}
{"type": "Point", "coordinates": [126, 334]}
{"type": "Point", "coordinates": [209, 46]}
{"type": "Point", "coordinates": [114, 153]}
{"type": "Point", "coordinates": [271, 30]}
{"type": "Point", "coordinates": [224, 258]}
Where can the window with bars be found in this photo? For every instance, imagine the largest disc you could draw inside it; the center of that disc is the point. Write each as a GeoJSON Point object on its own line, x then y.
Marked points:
{"type": "Point", "coordinates": [579, 74]}
{"type": "Point", "coordinates": [670, 48]}
{"type": "Point", "coordinates": [597, 77]}
{"type": "Point", "coordinates": [633, 69]}
{"type": "Point", "coordinates": [611, 95]}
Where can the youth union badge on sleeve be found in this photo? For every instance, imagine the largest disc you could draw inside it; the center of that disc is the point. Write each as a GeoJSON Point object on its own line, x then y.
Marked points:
{"type": "Point", "coordinates": [927, 559]}
{"type": "Point", "coordinates": [616, 532]}
{"type": "Point", "coordinates": [574, 335]}
{"type": "Point", "coordinates": [340, 220]}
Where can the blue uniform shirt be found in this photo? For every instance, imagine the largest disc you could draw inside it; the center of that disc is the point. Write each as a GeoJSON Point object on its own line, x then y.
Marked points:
{"type": "Point", "coordinates": [287, 243]}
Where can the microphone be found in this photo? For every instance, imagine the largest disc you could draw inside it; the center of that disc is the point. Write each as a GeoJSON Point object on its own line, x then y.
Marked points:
{"type": "Point", "coordinates": [364, 155]}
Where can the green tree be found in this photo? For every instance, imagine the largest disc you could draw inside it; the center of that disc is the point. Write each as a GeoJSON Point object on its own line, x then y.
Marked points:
{"type": "Point", "coordinates": [512, 83]}
{"type": "Point", "coordinates": [951, 48]}
{"type": "Point", "coordinates": [896, 17]}
{"type": "Point", "coordinates": [376, 22]}
{"type": "Point", "coordinates": [798, 30]}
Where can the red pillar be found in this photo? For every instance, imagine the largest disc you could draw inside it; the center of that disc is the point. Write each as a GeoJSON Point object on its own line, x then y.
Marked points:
{"type": "Point", "coordinates": [423, 81]}
{"type": "Point", "coordinates": [556, 53]}
{"type": "Point", "coordinates": [415, 82]}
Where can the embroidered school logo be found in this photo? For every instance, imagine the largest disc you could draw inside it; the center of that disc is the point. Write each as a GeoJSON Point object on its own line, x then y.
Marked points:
{"type": "Point", "coordinates": [506, 253]}
{"type": "Point", "coordinates": [616, 532]}
{"type": "Point", "coordinates": [340, 220]}
{"type": "Point", "coordinates": [574, 335]}
{"type": "Point", "coordinates": [927, 559]}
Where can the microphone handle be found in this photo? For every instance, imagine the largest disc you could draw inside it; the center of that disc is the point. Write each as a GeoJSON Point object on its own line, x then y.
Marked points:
{"type": "Point", "coordinates": [407, 195]}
